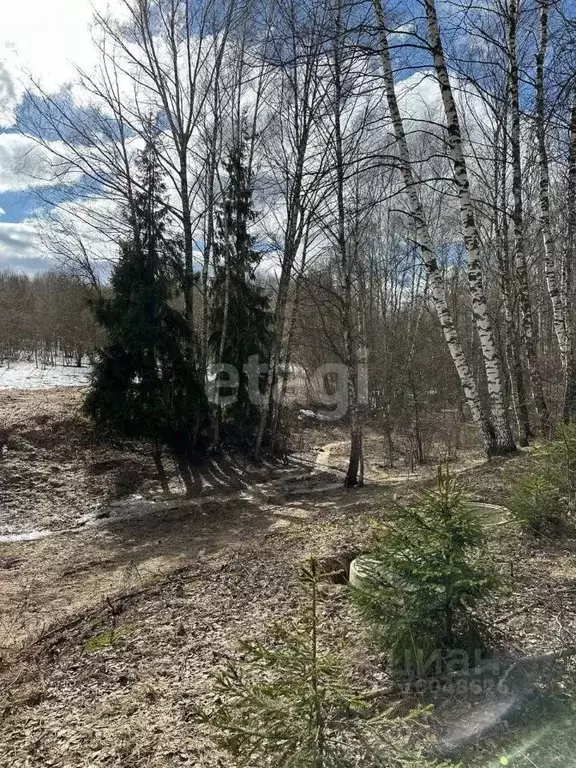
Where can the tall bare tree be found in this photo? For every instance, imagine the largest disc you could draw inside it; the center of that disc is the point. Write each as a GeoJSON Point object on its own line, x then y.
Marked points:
{"type": "Point", "coordinates": [295, 52]}
{"type": "Point", "coordinates": [490, 352]}
{"type": "Point", "coordinates": [518, 222]}
{"type": "Point", "coordinates": [483, 424]}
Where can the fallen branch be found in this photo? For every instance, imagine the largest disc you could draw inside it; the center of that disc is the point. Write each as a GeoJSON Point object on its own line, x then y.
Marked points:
{"type": "Point", "coordinates": [110, 603]}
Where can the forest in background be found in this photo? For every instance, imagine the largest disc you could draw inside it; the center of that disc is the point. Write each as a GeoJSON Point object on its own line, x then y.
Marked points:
{"type": "Point", "coordinates": [45, 320]}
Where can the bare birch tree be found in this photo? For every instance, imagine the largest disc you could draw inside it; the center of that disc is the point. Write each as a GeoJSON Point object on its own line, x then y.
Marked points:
{"type": "Point", "coordinates": [568, 273]}
{"type": "Point", "coordinates": [176, 48]}
{"type": "Point", "coordinates": [549, 244]}
{"type": "Point", "coordinates": [518, 222]}
{"type": "Point", "coordinates": [490, 441]}
{"type": "Point", "coordinates": [492, 362]}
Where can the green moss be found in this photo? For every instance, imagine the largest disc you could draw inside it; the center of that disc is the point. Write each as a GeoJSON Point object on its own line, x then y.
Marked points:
{"type": "Point", "coordinates": [98, 642]}
{"type": "Point", "coordinates": [105, 639]}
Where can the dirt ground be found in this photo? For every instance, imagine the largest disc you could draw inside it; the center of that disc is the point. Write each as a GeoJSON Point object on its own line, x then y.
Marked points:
{"type": "Point", "coordinates": [114, 619]}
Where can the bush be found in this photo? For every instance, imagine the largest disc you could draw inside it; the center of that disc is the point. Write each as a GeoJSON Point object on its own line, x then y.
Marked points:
{"type": "Point", "coordinates": [547, 496]}
{"type": "Point", "coordinates": [536, 502]}
{"type": "Point", "coordinates": [290, 704]}
{"type": "Point", "coordinates": [424, 576]}
{"type": "Point", "coordinates": [558, 458]}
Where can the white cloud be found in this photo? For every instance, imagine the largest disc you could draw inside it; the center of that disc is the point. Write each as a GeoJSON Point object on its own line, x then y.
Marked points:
{"type": "Point", "coordinates": [38, 244]}
{"type": "Point", "coordinates": [2, 211]}
{"type": "Point", "coordinates": [419, 97]}
{"type": "Point", "coordinates": [19, 244]}
{"type": "Point", "coordinates": [8, 97]}
{"type": "Point", "coordinates": [92, 226]}
{"type": "Point", "coordinates": [409, 28]}
{"type": "Point", "coordinates": [45, 39]}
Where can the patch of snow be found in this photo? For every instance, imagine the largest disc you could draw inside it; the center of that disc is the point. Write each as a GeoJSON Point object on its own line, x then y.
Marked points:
{"type": "Point", "coordinates": [307, 414]}
{"type": "Point", "coordinates": [12, 538]}
{"type": "Point", "coordinates": [319, 416]}
{"type": "Point", "coordinates": [24, 375]}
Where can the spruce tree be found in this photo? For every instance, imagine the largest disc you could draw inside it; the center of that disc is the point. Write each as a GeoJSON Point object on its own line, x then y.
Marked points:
{"type": "Point", "coordinates": [144, 384]}
{"type": "Point", "coordinates": [240, 316]}
{"type": "Point", "coordinates": [427, 572]}
{"type": "Point", "coordinates": [289, 701]}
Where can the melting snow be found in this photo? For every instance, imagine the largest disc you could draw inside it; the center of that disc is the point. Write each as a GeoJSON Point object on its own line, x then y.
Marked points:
{"type": "Point", "coordinates": [12, 538]}
{"type": "Point", "coordinates": [22, 375]}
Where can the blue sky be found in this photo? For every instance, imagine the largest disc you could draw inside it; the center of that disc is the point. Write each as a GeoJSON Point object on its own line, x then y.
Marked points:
{"type": "Point", "coordinates": [17, 206]}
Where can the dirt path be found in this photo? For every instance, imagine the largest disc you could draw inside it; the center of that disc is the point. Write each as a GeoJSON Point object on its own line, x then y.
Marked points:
{"type": "Point", "coordinates": [89, 697]}
{"type": "Point", "coordinates": [237, 562]}
{"type": "Point", "coordinates": [324, 454]}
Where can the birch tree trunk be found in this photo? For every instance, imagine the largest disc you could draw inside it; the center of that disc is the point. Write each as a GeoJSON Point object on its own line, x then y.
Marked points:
{"type": "Point", "coordinates": [483, 424]}
{"type": "Point", "coordinates": [289, 256]}
{"type": "Point", "coordinates": [492, 364]}
{"type": "Point", "coordinates": [287, 357]}
{"type": "Point", "coordinates": [501, 231]}
{"type": "Point", "coordinates": [568, 275]}
{"type": "Point", "coordinates": [284, 372]}
{"type": "Point", "coordinates": [545, 224]}
{"type": "Point", "coordinates": [510, 325]}
{"type": "Point", "coordinates": [518, 221]}
{"type": "Point", "coordinates": [211, 164]}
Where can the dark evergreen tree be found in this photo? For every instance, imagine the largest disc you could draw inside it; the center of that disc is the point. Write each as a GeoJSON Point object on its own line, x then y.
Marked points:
{"type": "Point", "coordinates": [144, 384]}
{"type": "Point", "coordinates": [240, 315]}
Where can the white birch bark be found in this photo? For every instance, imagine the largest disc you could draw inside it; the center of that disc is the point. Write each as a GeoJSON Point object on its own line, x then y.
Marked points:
{"type": "Point", "coordinates": [435, 281]}
{"type": "Point", "coordinates": [492, 364]}
{"type": "Point", "coordinates": [568, 275]}
{"type": "Point", "coordinates": [512, 339]}
{"type": "Point", "coordinates": [518, 221]}
{"type": "Point", "coordinates": [545, 223]}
